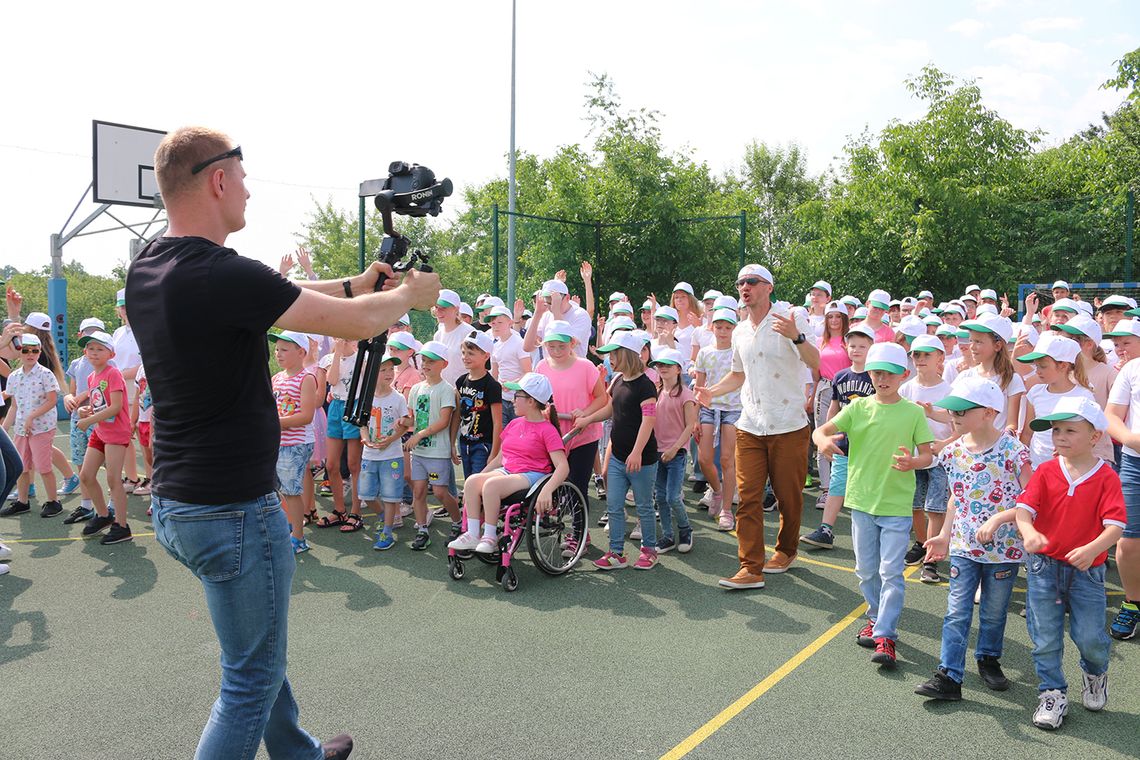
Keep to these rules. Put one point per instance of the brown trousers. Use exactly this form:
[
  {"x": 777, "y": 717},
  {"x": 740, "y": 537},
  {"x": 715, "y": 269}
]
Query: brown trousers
[{"x": 783, "y": 458}]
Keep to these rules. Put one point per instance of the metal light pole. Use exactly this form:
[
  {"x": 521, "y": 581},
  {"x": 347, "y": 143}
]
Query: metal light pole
[{"x": 512, "y": 190}]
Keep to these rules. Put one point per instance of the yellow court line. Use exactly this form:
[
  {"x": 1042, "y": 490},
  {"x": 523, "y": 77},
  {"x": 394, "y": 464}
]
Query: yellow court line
[{"x": 65, "y": 538}]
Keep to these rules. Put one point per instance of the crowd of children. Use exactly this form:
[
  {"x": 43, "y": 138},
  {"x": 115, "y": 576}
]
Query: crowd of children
[{"x": 953, "y": 435}]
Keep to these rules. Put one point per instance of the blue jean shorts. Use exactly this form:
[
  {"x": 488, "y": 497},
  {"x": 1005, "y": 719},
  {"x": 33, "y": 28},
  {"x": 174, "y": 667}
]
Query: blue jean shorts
[
  {"x": 718, "y": 417},
  {"x": 337, "y": 427},
  {"x": 1130, "y": 483},
  {"x": 79, "y": 439},
  {"x": 531, "y": 477},
  {"x": 291, "y": 464},
  {"x": 931, "y": 490},
  {"x": 438, "y": 472},
  {"x": 838, "y": 484},
  {"x": 383, "y": 478}
]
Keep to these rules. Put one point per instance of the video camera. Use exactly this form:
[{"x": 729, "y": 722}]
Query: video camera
[{"x": 409, "y": 190}]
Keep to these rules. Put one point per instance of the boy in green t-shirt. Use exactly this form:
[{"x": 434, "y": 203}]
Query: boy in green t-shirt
[
  {"x": 432, "y": 402},
  {"x": 888, "y": 439}
]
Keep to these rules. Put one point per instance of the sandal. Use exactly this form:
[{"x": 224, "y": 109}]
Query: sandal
[
  {"x": 352, "y": 523},
  {"x": 331, "y": 521},
  {"x": 309, "y": 517}
]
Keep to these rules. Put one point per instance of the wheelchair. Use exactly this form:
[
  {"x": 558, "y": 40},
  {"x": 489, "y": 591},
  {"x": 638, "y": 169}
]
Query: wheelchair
[{"x": 555, "y": 541}]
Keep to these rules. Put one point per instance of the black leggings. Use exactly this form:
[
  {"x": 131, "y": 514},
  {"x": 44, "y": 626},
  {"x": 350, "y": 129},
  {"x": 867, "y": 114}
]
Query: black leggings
[{"x": 581, "y": 461}]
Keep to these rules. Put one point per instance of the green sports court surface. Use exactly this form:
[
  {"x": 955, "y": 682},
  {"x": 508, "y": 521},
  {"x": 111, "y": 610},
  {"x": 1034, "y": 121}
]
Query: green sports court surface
[{"x": 108, "y": 652}]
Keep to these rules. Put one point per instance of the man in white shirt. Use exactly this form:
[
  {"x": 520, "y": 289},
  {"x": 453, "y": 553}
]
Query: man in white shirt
[
  {"x": 769, "y": 352},
  {"x": 551, "y": 303}
]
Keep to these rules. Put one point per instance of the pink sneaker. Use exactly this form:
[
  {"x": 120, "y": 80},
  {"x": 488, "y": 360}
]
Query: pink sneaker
[
  {"x": 726, "y": 521},
  {"x": 611, "y": 561},
  {"x": 715, "y": 503},
  {"x": 647, "y": 560}
]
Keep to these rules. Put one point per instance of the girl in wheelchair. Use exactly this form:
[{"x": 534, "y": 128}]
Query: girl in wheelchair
[{"x": 532, "y": 448}]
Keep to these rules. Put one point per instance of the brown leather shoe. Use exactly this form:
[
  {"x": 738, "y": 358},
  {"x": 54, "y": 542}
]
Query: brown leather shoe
[
  {"x": 743, "y": 579},
  {"x": 779, "y": 563}
]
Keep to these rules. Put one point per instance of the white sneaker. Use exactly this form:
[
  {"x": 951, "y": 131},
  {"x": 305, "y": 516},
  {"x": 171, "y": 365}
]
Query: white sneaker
[
  {"x": 406, "y": 509},
  {"x": 1094, "y": 691},
  {"x": 398, "y": 521},
  {"x": 487, "y": 545},
  {"x": 3, "y": 569},
  {"x": 1052, "y": 708},
  {"x": 707, "y": 499},
  {"x": 5, "y": 552},
  {"x": 635, "y": 534},
  {"x": 726, "y": 521},
  {"x": 465, "y": 543}
]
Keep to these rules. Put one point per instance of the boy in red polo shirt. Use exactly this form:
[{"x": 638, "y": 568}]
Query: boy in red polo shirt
[{"x": 1069, "y": 514}]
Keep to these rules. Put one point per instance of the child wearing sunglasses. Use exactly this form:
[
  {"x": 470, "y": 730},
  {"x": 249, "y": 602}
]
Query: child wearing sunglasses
[{"x": 34, "y": 391}]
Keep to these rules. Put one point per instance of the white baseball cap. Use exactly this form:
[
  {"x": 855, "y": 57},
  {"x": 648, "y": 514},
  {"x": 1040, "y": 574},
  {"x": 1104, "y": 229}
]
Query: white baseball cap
[
  {"x": 405, "y": 341},
  {"x": 925, "y": 294},
  {"x": 667, "y": 312},
  {"x": 895, "y": 302},
  {"x": 726, "y": 302},
  {"x": 558, "y": 331},
  {"x": 621, "y": 323},
  {"x": 30, "y": 339},
  {"x": 623, "y": 307},
  {"x": 724, "y": 315},
  {"x": 912, "y": 326},
  {"x": 642, "y": 335},
  {"x": 1060, "y": 284},
  {"x": 1071, "y": 407},
  {"x": 851, "y": 301},
  {"x": 481, "y": 341},
  {"x": 822, "y": 285},
  {"x": 291, "y": 336},
  {"x": 465, "y": 308},
  {"x": 1085, "y": 306},
  {"x": 554, "y": 286},
  {"x": 932, "y": 320},
  {"x": 623, "y": 340},
  {"x": 387, "y": 357},
  {"x": 955, "y": 307},
  {"x": 950, "y": 330},
  {"x": 887, "y": 357},
  {"x": 860, "y": 313},
  {"x": 969, "y": 297},
  {"x": 972, "y": 288},
  {"x": 500, "y": 311},
  {"x": 834, "y": 308},
  {"x": 991, "y": 323},
  {"x": 404, "y": 320},
  {"x": 91, "y": 322},
  {"x": 1055, "y": 347},
  {"x": 489, "y": 302},
  {"x": 1082, "y": 324},
  {"x": 711, "y": 295},
  {"x": 925, "y": 344},
  {"x": 647, "y": 305},
  {"x": 971, "y": 392},
  {"x": 880, "y": 299},
  {"x": 988, "y": 293},
  {"x": 667, "y": 356},
  {"x": 755, "y": 270},
  {"x": 987, "y": 308},
  {"x": 1118, "y": 302},
  {"x": 447, "y": 298},
  {"x": 1065, "y": 304},
  {"x": 38, "y": 320},
  {"x": 617, "y": 295},
  {"x": 861, "y": 329},
  {"x": 121, "y": 297},
  {"x": 534, "y": 385},
  {"x": 434, "y": 349},
  {"x": 686, "y": 287},
  {"x": 1124, "y": 328}
]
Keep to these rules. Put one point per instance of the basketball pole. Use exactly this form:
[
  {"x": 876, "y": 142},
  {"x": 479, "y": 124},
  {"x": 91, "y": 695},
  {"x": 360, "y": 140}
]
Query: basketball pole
[{"x": 512, "y": 189}]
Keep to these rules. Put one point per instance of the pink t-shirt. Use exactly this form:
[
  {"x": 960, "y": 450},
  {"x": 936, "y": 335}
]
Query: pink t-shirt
[
  {"x": 885, "y": 334},
  {"x": 573, "y": 389},
  {"x": 671, "y": 417},
  {"x": 101, "y": 385},
  {"x": 527, "y": 446},
  {"x": 832, "y": 357}
]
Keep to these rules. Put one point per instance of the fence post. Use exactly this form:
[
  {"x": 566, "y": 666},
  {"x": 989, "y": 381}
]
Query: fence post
[
  {"x": 743, "y": 236},
  {"x": 1129, "y": 223},
  {"x": 362, "y": 233},
  {"x": 597, "y": 259},
  {"x": 495, "y": 247}
]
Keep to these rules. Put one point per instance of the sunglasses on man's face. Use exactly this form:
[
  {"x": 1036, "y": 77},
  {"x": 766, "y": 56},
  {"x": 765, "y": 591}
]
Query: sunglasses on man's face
[
  {"x": 233, "y": 153},
  {"x": 748, "y": 281},
  {"x": 29, "y": 350}
]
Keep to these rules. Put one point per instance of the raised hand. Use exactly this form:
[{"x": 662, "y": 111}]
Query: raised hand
[
  {"x": 586, "y": 270},
  {"x": 306, "y": 262},
  {"x": 560, "y": 275},
  {"x": 286, "y": 265}
]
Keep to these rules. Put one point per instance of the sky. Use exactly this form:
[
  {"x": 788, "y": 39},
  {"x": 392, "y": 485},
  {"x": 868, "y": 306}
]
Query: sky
[{"x": 322, "y": 96}]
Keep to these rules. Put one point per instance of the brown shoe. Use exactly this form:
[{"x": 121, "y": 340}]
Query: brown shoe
[
  {"x": 743, "y": 579},
  {"x": 779, "y": 563}
]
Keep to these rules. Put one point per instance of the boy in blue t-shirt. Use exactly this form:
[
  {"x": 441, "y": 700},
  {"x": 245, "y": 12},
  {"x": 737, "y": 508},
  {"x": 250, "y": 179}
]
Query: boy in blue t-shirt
[{"x": 850, "y": 383}]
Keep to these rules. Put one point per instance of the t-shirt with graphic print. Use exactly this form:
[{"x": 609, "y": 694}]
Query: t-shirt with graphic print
[
  {"x": 339, "y": 389},
  {"x": 101, "y": 385},
  {"x": 146, "y": 403},
  {"x": 428, "y": 402},
  {"x": 848, "y": 386},
  {"x": 30, "y": 391},
  {"x": 716, "y": 364},
  {"x": 982, "y": 484},
  {"x": 475, "y": 400},
  {"x": 386, "y": 410}
]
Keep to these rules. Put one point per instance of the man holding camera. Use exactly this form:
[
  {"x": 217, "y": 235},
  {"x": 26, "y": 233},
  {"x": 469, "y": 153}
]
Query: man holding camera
[{"x": 200, "y": 313}]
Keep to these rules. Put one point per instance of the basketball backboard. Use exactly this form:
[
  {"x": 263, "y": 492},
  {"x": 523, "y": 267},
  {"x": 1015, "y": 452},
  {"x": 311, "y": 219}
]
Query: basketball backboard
[{"x": 124, "y": 164}]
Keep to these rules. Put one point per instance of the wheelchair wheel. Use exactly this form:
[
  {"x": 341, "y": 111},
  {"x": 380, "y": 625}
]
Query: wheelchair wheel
[
  {"x": 510, "y": 580},
  {"x": 560, "y": 532},
  {"x": 455, "y": 568}
]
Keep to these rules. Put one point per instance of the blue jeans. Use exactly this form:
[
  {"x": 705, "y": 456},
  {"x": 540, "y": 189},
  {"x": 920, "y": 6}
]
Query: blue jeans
[
  {"x": 618, "y": 483},
  {"x": 880, "y": 544},
  {"x": 13, "y": 465},
  {"x": 474, "y": 457},
  {"x": 1130, "y": 484},
  {"x": 242, "y": 555},
  {"x": 1054, "y": 588},
  {"x": 508, "y": 411},
  {"x": 667, "y": 494},
  {"x": 997, "y": 587}
]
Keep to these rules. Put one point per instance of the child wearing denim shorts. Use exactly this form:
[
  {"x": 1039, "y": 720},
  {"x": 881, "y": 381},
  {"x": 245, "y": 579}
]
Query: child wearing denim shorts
[
  {"x": 340, "y": 435},
  {"x": 718, "y": 420},
  {"x": 432, "y": 402},
  {"x": 987, "y": 469},
  {"x": 295, "y": 390},
  {"x": 382, "y": 465}
]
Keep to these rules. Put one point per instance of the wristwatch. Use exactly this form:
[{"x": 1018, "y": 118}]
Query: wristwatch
[{"x": 799, "y": 340}]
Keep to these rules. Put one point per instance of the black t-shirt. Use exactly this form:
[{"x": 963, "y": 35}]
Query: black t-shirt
[
  {"x": 627, "y": 401},
  {"x": 475, "y": 399},
  {"x": 200, "y": 313},
  {"x": 848, "y": 386}
]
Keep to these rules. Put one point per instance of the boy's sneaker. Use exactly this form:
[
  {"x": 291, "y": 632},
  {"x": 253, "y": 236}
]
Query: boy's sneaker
[
  {"x": 487, "y": 545},
  {"x": 884, "y": 652},
  {"x": 940, "y": 686},
  {"x": 866, "y": 635},
  {"x": 397, "y": 521},
  {"x": 143, "y": 488},
  {"x": 421, "y": 541},
  {"x": 1052, "y": 707},
  {"x": 325, "y": 489},
  {"x": 635, "y": 534},
  {"x": 79, "y": 514},
  {"x": 685, "y": 540},
  {"x": 603, "y": 519},
  {"x": 455, "y": 532},
  {"x": 665, "y": 544},
  {"x": 820, "y": 537},
  {"x": 50, "y": 509},
  {"x": 5, "y": 552},
  {"x": 1094, "y": 691},
  {"x": 1124, "y": 624},
  {"x": 992, "y": 676},
  {"x": 117, "y": 534},
  {"x": 929, "y": 573},
  {"x": 16, "y": 508},
  {"x": 647, "y": 560},
  {"x": 300, "y": 545},
  {"x": 821, "y": 500},
  {"x": 599, "y": 486},
  {"x": 700, "y": 486},
  {"x": 611, "y": 561},
  {"x": 97, "y": 524},
  {"x": 406, "y": 509},
  {"x": 914, "y": 555},
  {"x": 464, "y": 543},
  {"x": 69, "y": 486},
  {"x": 441, "y": 512},
  {"x": 726, "y": 521},
  {"x": 384, "y": 542}
]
